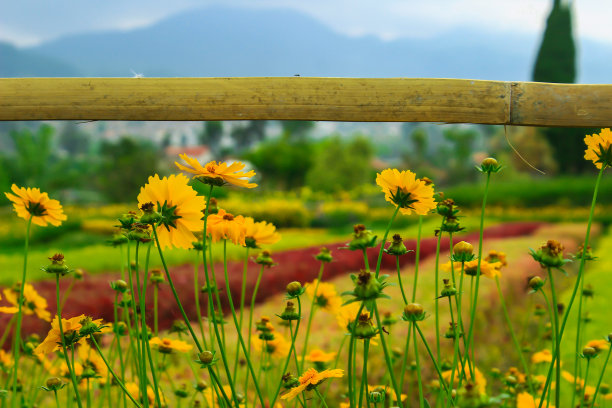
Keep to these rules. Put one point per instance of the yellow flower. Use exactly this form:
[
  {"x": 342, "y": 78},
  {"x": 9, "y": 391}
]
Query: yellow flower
[
  {"x": 598, "y": 345},
  {"x": 33, "y": 304},
  {"x": 91, "y": 359},
  {"x": 223, "y": 173},
  {"x": 224, "y": 225},
  {"x": 53, "y": 341},
  {"x": 479, "y": 380},
  {"x": 6, "y": 360},
  {"x": 490, "y": 270},
  {"x": 31, "y": 203},
  {"x": 544, "y": 356},
  {"x": 526, "y": 400},
  {"x": 319, "y": 356},
  {"x": 347, "y": 314},
  {"x": 259, "y": 233},
  {"x": 598, "y": 148},
  {"x": 180, "y": 207},
  {"x": 388, "y": 391},
  {"x": 168, "y": 346},
  {"x": 326, "y": 298},
  {"x": 278, "y": 347},
  {"x": 497, "y": 257},
  {"x": 310, "y": 379},
  {"x": 406, "y": 191}
]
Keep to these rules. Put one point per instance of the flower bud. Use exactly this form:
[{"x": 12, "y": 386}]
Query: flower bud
[
  {"x": 550, "y": 255},
  {"x": 149, "y": 216},
  {"x": 181, "y": 392},
  {"x": 609, "y": 338},
  {"x": 604, "y": 389},
  {"x": 119, "y": 285},
  {"x": 289, "y": 381},
  {"x": 57, "y": 265},
  {"x": 179, "y": 327},
  {"x": 539, "y": 310},
  {"x": 388, "y": 319},
  {"x": 376, "y": 397},
  {"x": 536, "y": 283},
  {"x": 588, "y": 291},
  {"x": 451, "y": 225},
  {"x": 364, "y": 328},
  {"x": 213, "y": 206},
  {"x": 413, "y": 312},
  {"x": 120, "y": 328},
  {"x": 290, "y": 313},
  {"x": 324, "y": 255},
  {"x": 588, "y": 254},
  {"x": 489, "y": 165},
  {"x": 265, "y": 259},
  {"x": 198, "y": 245},
  {"x": 127, "y": 220},
  {"x": 206, "y": 357},
  {"x": 156, "y": 276},
  {"x": 397, "y": 247},
  {"x": 201, "y": 385},
  {"x": 295, "y": 289},
  {"x": 367, "y": 286},
  {"x": 447, "y": 208},
  {"x": 589, "y": 352},
  {"x": 448, "y": 290},
  {"x": 362, "y": 238},
  {"x": 463, "y": 252},
  {"x": 54, "y": 383}
]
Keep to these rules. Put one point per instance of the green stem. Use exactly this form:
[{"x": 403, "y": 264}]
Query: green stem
[
  {"x": 448, "y": 394},
  {"x": 388, "y": 358},
  {"x": 253, "y": 298},
  {"x": 436, "y": 289},
  {"x": 470, "y": 339},
  {"x": 601, "y": 376},
  {"x": 57, "y": 404},
  {"x": 20, "y": 300},
  {"x": 364, "y": 375},
  {"x": 586, "y": 379},
  {"x": 313, "y": 306},
  {"x": 155, "y": 310},
  {"x": 293, "y": 337},
  {"x": 139, "y": 346},
  {"x": 514, "y": 339},
  {"x": 351, "y": 363},
  {"x": 196, "y": 295},
  {"x": 321, "y": 398},
  {"x": 7, "y": 330},
  {"x": 418, "y": 370},
  {"x": 417, "y": 257},
  {"x": 555, "y": 307},
  {"x": 119, "y": 382},
  {"x": 61, "y": 329},
  {"x": 118, "y": 339},
  {"x": 242, "y": 296},
  {"x": 577, "y": 364},
  {"x": 240, "y": 338},
  {"x": 384, "y": 240},
  {"x": 399, "y": 279},
  {"x": 576, "y": 286}
]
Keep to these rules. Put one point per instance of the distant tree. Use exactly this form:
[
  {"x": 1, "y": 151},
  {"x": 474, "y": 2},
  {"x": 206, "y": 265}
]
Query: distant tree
[
  {"x": 211, "y": 135},
  {"x": 245, "y": 136},
  {"x": 73, "y": 139},
  {"x": 125, "y": 167},
  {"x": 166, "y": 140},
  {"x": 458, "y": 161},
  {"x": 297, "y": 128},
  {"x": 340, "y": 165},
  {"x": 556, "y": 62},
  {"x": 283, "y": 162}
]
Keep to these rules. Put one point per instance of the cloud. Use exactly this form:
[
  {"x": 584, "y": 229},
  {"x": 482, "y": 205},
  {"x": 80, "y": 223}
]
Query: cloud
[{"x": 29, "y": 21}]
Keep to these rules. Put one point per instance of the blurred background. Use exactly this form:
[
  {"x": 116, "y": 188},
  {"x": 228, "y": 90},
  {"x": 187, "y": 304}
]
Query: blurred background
[{"x": 311, "y": 174}]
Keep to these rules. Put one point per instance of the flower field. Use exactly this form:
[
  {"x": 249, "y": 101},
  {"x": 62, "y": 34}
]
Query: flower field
[{"x": 210, "y": 305}]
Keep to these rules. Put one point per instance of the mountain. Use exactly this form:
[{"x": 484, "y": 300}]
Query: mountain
[
  {"x": 15, "y": 62},
  {"x": 225, "y": 41}
]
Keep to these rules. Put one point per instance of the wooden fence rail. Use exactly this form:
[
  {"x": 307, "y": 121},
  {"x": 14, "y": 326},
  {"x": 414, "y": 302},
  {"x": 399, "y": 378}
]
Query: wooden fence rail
[{"x": 302, "y": 98}]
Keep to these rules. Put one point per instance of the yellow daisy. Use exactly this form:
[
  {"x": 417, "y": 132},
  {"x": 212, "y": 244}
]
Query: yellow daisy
[
  {"x": 403, "y": 189},
  {"x": 526, "y": 400},
  {"x": 53, "y": 341},
  {"x": 224, "y": 225},
  {"x": 598, "y": 148},
  {"x": 6, "y": 360},
  {"x": 319, "y": 356},
  {"x": 544, "y": 356},
  {"x": 598, "y": 345},
  {"x": 218, "y": 173},
  {"x": 326, "y": 297},
  {"x": 310, "y": 379},
  {"x": 168, "y": 346},
  {"x": 33, "y": 302},
  {"x": 490, "y": 270},
  {"x": 180, "y": 207},
  {"x": 479, "y": 380},
  {"x": 259, "y": 233},
  {"x": 31, "y": 203}
]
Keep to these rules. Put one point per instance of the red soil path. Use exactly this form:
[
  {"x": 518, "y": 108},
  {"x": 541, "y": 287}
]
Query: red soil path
[{"x": 94, "y": 297}]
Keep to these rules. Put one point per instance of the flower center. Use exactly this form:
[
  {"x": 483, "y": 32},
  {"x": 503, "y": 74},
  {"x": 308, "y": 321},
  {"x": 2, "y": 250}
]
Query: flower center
[
  {"x": 168, "y": 214},
  {"x": 228, "y": 217},
  {"x": 36, "y": 209},
  {"x": 211, "y": 168}
]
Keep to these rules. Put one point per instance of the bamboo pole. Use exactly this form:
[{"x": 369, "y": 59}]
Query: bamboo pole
[{"x": 303, "y": 98}]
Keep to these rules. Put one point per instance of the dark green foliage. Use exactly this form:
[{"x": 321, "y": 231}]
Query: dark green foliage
[
  {"x": 211, "y": 135},
  {"x": 556, "y": 62},
  {"x": 245, "y": 136},
  {"x": 283, "y": 162},
  {"x": 340, "y": 165},
  {"x": 125, "y": 167}
]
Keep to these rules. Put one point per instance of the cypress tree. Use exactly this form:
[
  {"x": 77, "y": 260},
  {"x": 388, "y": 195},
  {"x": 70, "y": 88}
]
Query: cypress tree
[{"x": 556, "y": 62}]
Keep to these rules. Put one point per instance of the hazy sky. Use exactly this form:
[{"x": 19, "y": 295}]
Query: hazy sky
[{"x": 27, "y": 22}]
